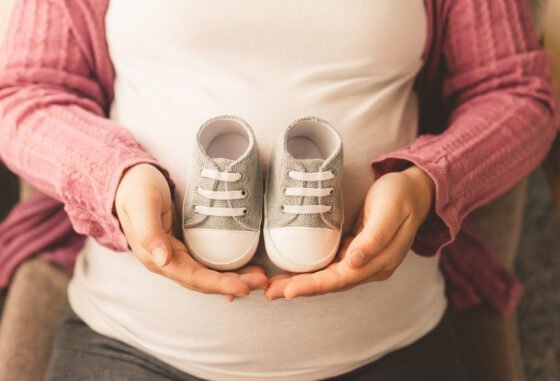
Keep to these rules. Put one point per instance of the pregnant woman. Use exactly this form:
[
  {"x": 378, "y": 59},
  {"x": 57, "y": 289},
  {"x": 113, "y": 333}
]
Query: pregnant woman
[{"x": 100, "y": 103}]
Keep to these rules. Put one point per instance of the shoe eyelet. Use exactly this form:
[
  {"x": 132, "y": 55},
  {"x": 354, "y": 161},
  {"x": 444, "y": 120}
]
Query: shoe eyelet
[
  {"x": 282, "y": 208},
  {"x": 331, "y": 192},
  {"x": 244, "y": 211},
  {"x": 244, "y": 193}
]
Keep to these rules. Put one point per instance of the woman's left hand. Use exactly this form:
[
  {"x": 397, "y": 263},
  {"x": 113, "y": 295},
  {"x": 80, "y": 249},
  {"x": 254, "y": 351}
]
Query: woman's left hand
[{"x": 395, "y": 207}]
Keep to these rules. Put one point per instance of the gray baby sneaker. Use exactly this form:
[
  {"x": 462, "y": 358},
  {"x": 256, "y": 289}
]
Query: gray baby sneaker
[
  {"x": 303, "y": 201},
  {"x": 222, "y": 209}
]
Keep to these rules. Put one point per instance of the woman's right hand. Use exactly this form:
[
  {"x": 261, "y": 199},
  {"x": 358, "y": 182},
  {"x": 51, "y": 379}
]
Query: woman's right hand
[{"x": 146, "y": 212}]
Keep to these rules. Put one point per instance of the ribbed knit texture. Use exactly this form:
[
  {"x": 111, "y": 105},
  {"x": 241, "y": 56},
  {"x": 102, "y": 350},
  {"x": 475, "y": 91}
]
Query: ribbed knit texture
[
  {"x": 498, "y": 101},
  {"x": 55, "y": 88},
  {"x": 487, "y": 115}
]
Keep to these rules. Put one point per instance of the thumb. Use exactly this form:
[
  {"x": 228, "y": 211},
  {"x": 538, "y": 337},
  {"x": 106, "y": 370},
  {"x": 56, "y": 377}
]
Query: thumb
[
  {"x": 145, "y": 216},
  {"x": 380, "y": 226}
]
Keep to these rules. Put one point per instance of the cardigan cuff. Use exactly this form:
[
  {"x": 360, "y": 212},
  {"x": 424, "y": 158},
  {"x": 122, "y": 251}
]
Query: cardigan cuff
[{"x": 97, "y": 218}]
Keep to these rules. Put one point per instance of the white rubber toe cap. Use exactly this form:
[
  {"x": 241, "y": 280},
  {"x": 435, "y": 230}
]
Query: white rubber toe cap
[
  {"x": 222, "y": 249},
  {"x": 301, "y": 249}
]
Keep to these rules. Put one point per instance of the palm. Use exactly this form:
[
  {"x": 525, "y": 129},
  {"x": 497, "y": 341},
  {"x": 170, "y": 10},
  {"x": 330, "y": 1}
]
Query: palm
[
  {"x": 147, "y": 216},
  {"x": 189, "y": 273},
  {"x": 394, "y": 208},
  {"x": 192, "y": 274},
  {"x": 329, "y": 279}
]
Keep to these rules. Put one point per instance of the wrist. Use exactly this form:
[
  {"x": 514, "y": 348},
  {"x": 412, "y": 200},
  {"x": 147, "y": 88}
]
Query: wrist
[
  {"x": 139, "y": 176},
  {"x": 425, "y": 187}
]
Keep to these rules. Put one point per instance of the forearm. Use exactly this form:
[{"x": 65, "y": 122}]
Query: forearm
[
  {"x": 55, "y": 141},
  {"x": 501, "y": 120},
  {"x": 65, "y": 149},
  {"x": 488, "y": 149},
  {"x": 53, "y": 128}
]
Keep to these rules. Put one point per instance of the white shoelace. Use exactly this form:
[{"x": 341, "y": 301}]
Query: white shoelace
[
  {"x": 220, "y": 195},
  {"x": 309, "y": 192}
]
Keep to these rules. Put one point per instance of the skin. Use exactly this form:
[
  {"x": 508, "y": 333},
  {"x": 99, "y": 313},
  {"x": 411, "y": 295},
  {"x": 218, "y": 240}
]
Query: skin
[
  {"x": 394, "y": 208},
  {"x": 146, "y": 212}
]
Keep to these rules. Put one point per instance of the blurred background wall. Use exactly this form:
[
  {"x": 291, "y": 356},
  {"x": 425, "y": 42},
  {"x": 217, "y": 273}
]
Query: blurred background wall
[
  {"x": 538, "y": 263},
  {"x": 550, "y": 14}
]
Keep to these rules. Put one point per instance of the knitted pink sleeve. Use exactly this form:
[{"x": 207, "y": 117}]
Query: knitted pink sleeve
[
  {"x": 53, "y": 129},
  {"x": 502, "y": 121}
]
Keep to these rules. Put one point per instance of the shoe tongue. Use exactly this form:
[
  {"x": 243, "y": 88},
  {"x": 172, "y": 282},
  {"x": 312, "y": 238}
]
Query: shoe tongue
[
  {"x": 311, "y": 165},
  {"x": 222, "y": 164}
]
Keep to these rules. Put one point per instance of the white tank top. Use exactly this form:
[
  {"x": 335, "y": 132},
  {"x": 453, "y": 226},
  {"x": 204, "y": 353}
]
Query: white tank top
[{"x": 181, "y": 62}]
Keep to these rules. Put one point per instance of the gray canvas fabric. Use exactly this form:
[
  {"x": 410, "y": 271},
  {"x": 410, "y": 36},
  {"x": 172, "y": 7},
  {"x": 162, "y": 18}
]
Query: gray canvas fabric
[
  {"x": 281, "y": 163},
  {"x": 251, "y": 182}
]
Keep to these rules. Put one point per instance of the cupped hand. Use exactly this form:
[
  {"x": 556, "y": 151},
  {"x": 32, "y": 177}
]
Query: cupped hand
[
  {"x": 395, "y": 207},
  {"x": 146, "y": 212}
]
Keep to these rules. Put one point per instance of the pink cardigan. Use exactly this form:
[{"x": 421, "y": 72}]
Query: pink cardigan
[{"x": 487, "y": 120}]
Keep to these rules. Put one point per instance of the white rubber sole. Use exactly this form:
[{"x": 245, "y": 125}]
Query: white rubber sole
[
  {"x": 287, "y": 264},
  {"x": 234, "y": 264}
]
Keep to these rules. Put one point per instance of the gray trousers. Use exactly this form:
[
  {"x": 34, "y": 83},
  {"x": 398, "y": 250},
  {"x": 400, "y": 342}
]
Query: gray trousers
[{"x": 84, "y": 355}]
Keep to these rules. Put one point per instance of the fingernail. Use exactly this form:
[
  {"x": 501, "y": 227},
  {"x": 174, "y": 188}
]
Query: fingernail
[
  {"x": 289, "y": 295},
  {"x": 159, "y": 256},
  {"x": 357, "y": 259}
]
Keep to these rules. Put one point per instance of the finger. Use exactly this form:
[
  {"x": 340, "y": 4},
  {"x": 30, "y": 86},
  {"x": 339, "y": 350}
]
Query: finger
[
  {"x": 254, "y": 276},
  {"x": 251, "y": 269},
  {"x": 255, "y": 281},
  {"x": 209, "y": 281},
  {"x": 324, "y": 281},
  {"x": 186, "y": 271},
  {"x": 230, "y": 298},
  {"x": 302, "y": 283},
  {"x": 343, "y": 250},
  {"x": 277, "y": 286},
  {"x": 384, "y": 265},
  {"x": 142, "y": 255},
  {"x": 144, "y": 214},
  {"x": 139, "y": 251},
  {"x": 280, "y": 276},
  {"x": 339, "y": 276},
  {"x": 381, "y": 224},
  {"x": 359, "y": 223},
  {"x": 189, "y": 273}
]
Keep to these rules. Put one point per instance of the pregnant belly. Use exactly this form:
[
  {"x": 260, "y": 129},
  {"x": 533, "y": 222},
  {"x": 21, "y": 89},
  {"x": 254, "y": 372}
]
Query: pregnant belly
[{"x": 116, "y": 296}]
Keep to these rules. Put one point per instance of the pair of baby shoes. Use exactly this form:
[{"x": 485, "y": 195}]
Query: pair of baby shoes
[{"x": 303, "y": 213}]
